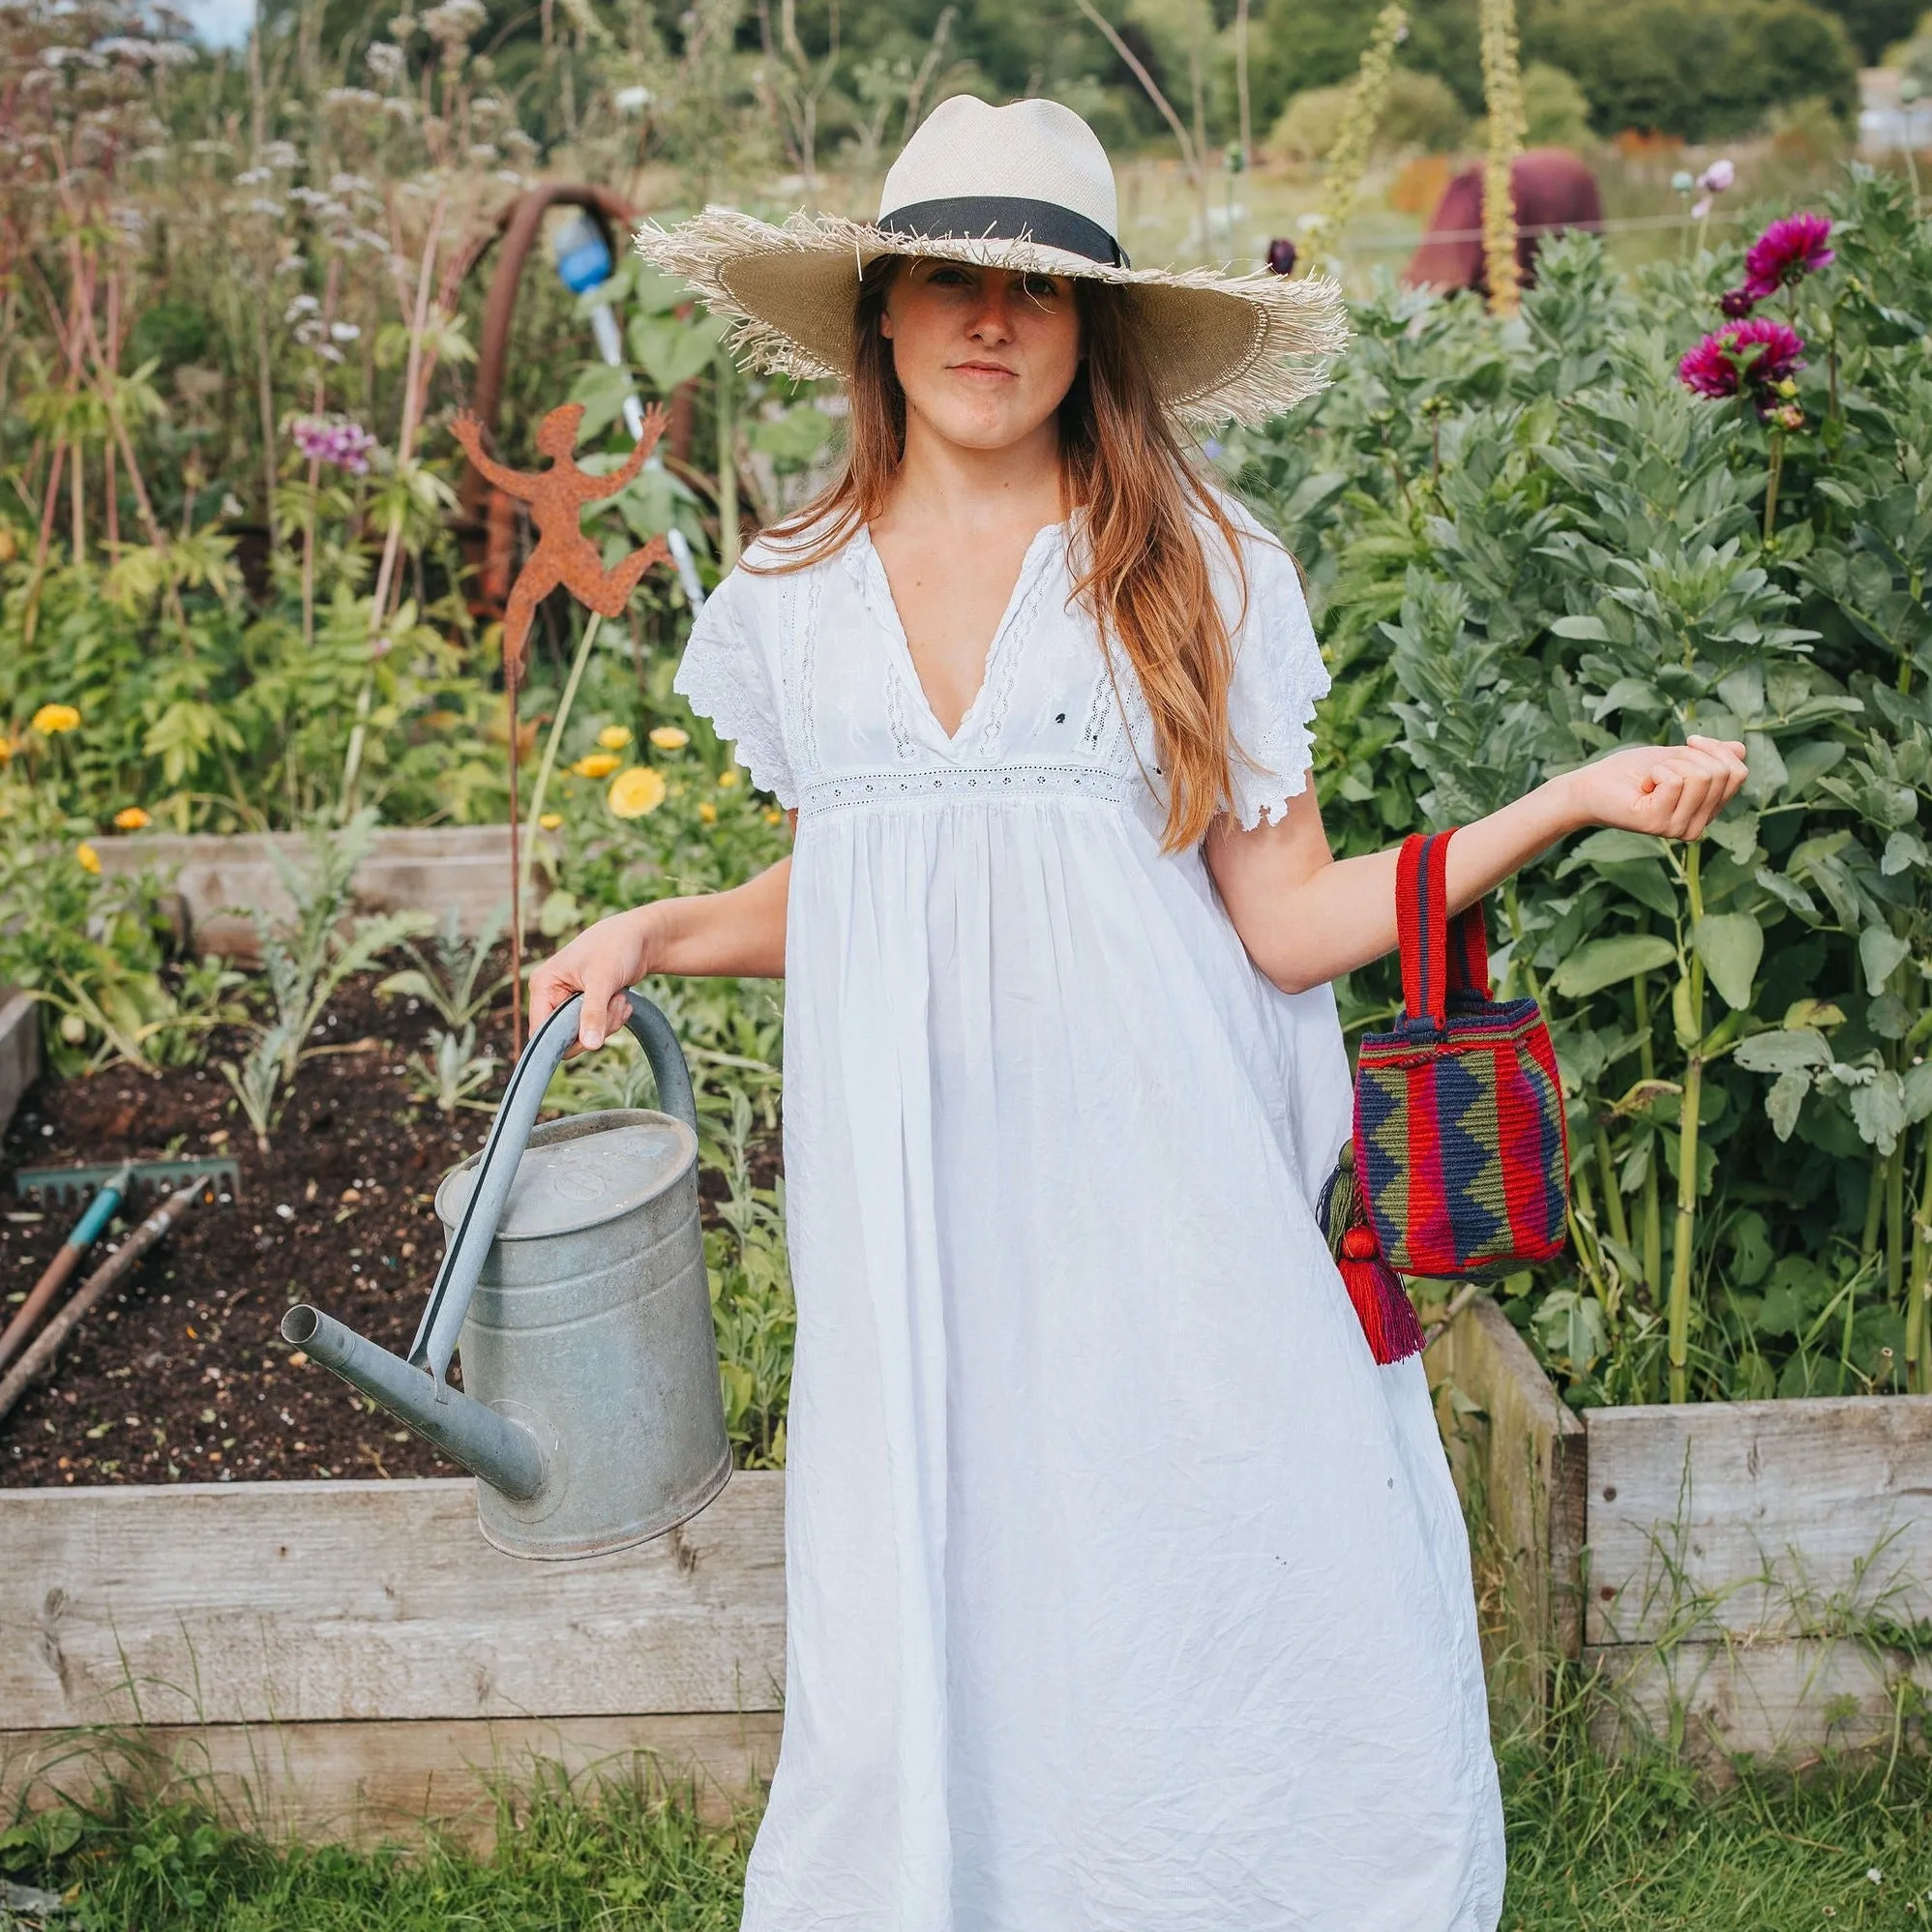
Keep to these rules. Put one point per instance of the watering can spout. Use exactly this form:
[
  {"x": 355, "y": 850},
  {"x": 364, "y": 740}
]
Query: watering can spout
[{"x": 490, "y": 1446}]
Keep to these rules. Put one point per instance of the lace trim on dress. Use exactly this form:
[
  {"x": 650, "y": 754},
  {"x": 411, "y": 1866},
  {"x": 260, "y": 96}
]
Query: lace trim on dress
[
  {"x": 1002, "y": 666},
  {"x": 999, "y": 784},
  {"x": 723, "y": 678},
  {"x": 807, "y": 593}
]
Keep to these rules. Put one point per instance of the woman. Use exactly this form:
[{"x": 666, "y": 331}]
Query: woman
[{"x": 1124, "y": 1589}]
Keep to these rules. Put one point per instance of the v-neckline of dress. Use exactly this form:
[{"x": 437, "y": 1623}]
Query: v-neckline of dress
[{"x": 885, "y": 608}]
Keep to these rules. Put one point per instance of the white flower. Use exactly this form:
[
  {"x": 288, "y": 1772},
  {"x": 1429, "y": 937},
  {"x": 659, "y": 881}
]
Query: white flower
[
  {"x": 630, "y": 100},
  {"x": 345, "y": 332},
  {"x": 1717, "y": 177}
]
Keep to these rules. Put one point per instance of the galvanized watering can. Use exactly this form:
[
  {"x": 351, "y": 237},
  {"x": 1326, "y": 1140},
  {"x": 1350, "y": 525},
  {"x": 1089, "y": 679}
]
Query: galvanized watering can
[{"x": 575, "y": 1278}]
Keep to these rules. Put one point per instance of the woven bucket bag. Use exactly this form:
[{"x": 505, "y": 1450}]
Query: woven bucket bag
[{"x": 1459, "y": 1164}]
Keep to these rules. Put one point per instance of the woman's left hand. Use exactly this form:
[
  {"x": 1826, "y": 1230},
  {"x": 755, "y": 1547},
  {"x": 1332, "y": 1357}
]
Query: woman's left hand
[{"x": 1673, "y": 791}]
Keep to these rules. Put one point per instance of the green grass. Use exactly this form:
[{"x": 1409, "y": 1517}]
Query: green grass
[{"x": 1593, "y": 1848}]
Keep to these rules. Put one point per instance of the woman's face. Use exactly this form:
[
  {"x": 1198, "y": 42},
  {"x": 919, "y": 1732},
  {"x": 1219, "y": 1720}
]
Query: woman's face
[{"x": 985, "y": 355}]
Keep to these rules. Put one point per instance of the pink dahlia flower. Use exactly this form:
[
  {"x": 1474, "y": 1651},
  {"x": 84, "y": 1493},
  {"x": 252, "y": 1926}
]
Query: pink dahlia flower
[
  {"x": 1737, "y": 303},
  {"x": 1748, "y": 358},
  {"x": 1787, "y": 252},
  {"x": 334, "y": 440}
]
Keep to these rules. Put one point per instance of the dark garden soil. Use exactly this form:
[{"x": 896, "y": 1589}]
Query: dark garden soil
[{"x": 179, "y": 1374}]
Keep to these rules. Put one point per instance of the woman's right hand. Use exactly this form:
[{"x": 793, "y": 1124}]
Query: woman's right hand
[{"x": 600, "y": 962}]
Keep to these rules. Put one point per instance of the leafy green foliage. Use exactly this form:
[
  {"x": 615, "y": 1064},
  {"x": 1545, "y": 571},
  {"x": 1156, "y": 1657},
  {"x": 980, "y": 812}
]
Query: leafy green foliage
[
  {"x": 1698, "y": 69},
  {"x": 1643, "y": 1846},
  {"x": 306, "y": 958},
  {"x": 1528, "y": 546}
]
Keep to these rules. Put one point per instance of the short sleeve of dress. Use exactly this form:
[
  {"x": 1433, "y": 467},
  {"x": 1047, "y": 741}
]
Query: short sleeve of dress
[
  {"x": 1279, "y": 679},
  {"x": 730, "y": 673}
]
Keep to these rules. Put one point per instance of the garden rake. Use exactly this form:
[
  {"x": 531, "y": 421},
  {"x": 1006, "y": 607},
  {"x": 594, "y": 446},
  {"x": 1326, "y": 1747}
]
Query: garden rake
[{"x": 110, "y": 1184}]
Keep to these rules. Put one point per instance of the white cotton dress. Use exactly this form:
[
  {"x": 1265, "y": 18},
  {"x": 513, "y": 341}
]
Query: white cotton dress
[{"x": 1124, "y": 1591}]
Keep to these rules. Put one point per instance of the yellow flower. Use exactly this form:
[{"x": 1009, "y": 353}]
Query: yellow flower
[
  {"x": 53, "y": 718},
  {"x": 599, "y": 765},
  {"x": 6, "y": 750},
  {"x": 773, "y": 814},
  {"x": 669, "y": 739},
  {"x": 709, "y": 813},
  {"x": 131, "y": 819},
  {"x": 727, "y": 778},
  {"x": 635, "y": 791},
  {"x": 551, "y": 820},
  {"x": 90, "y": 859},
  {"x": 614, "y": 737}
]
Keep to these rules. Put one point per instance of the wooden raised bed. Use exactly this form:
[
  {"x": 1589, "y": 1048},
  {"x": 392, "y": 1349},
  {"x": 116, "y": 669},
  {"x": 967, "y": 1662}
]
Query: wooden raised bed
[
  {"x": 19, "y": 1048},
  {"x": 347, "y": 1658},
  {"x": 1738, "y": 1578},
  {"x": 433, "y": 869}
]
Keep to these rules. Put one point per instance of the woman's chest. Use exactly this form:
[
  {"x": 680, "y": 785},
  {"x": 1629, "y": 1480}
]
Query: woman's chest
[{"x": 1046, "y": 695}]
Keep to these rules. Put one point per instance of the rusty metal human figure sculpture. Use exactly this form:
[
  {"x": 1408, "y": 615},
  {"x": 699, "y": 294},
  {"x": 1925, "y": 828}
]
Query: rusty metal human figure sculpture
[{"x": 563, "y": 556}]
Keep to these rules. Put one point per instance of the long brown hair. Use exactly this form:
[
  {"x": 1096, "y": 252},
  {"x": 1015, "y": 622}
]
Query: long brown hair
[{"x": 1140, "y": 572}]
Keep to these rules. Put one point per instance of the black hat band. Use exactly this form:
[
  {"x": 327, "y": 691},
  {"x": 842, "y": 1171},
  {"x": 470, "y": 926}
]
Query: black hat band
[{"x": 1006, "y": 218}]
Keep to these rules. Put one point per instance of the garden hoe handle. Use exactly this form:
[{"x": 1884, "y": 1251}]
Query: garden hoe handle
[
  {"x": 497, "y": 1171},
  {"x": 72, "y": 1252}
]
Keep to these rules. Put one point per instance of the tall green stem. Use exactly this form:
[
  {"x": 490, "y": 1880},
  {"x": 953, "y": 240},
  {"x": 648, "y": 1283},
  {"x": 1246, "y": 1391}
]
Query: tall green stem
[
  {"x": 1771, "y": 484},
  {"x": 550, "y": 759},
  {"x": 1894, "y": 1221},
  {"x": 1652, "y": 1204},
  {"x": 1920, "y": 1287},
  {"x": 1687, "y": 1125},
  {"x": 1613, "y": 1194}
]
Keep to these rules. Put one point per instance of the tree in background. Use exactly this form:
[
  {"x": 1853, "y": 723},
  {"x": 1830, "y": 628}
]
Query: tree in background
[
  {"x": 1698, "y": 69},
  {"x": 1875, "y": 25},
  {"x": 1304, "y": 43}
]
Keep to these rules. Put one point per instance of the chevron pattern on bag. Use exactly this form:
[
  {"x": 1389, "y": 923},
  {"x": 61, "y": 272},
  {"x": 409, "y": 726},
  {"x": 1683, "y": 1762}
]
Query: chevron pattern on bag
[{"x": 1460, "y": 1144}]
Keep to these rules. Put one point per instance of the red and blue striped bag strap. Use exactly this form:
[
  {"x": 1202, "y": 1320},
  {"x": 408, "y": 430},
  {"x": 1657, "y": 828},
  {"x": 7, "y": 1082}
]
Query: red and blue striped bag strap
[{"x": 1439, "y": 955}]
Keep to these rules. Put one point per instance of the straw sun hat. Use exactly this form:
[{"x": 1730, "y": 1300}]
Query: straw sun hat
[{"x": 1024, "y": 187}]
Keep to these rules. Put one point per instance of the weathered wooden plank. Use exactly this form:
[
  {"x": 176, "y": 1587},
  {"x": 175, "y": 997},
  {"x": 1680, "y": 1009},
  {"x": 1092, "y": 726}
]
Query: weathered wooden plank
[
  {"x": 20, "y": 1049},
  {"x": 1518, "y": 1455},
  {"x": 1782, "y": 1702},
  {"x": 1763, "y": 1518},
  {"x": 241, "y": 1603},
  {"x": 435, "y": 868},
  {"x": 365, "y": 1781}
]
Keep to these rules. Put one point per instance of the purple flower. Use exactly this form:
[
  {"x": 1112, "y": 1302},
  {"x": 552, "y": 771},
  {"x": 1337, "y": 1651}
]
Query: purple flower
[
  {"x": 1786, "y": 252},
  {"x": 334, "y": 440},
  {"x": 1281, "y": 257},
  {"x": 1737, "y": 303},
  {"x": 1717, "y": 177},
  {"x": 1749, "y": 358}
]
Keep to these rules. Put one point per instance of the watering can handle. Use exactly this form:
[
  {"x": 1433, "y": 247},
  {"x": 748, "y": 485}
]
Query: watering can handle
[{"x": 509, "y": 1135}]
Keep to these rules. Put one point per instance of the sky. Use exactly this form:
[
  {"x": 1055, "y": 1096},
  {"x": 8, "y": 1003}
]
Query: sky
[{"x": 219, "y": 23}]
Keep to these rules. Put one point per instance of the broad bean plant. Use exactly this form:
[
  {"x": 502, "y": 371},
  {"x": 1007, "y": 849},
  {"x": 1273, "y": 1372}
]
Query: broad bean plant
[{"x": 1632, "y": 514}]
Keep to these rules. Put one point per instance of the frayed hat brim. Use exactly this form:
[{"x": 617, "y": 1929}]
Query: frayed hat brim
[{"x": 1220, "y": 345}]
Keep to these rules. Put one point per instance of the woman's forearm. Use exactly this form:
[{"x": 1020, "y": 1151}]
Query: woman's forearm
[
  {"x": 736, "y": 934},
  {"x": 1342, "y": 914}
]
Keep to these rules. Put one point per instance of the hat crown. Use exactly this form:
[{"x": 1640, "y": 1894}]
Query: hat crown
[{"x": 1029, "y": 150}]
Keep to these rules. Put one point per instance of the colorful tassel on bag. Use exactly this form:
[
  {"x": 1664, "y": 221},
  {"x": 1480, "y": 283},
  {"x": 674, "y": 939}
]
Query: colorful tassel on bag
[{"x": 1382, "y": 1303}]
